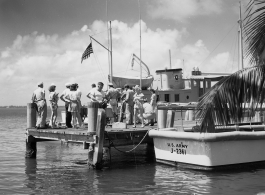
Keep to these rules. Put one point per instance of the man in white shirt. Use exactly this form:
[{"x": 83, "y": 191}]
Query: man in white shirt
[
  {"x": 96, "y": 94},
  {"x": 68, "y": 117},
  {"x": 38, "y": 97}
]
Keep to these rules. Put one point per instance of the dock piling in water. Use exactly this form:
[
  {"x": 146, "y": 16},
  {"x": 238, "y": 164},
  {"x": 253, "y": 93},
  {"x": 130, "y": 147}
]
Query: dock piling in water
[
  {"x": 92, "y": 114},
  {"x": 31, "y": 115}
]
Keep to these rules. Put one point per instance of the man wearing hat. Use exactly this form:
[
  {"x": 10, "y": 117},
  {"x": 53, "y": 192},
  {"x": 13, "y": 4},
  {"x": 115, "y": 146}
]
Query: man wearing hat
[
  {"x": 129, "y": 104},
  {"x": 68, "y": 117},
  {"x": 112, "y": 95},
  {"x": 38, "y": 97}
]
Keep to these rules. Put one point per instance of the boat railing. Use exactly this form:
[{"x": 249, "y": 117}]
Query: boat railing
[{"x": 182, "y": 117}]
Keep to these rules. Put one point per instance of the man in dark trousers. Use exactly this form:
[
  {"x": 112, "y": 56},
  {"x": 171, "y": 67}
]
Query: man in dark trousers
[{"x": 67, "y": 104}]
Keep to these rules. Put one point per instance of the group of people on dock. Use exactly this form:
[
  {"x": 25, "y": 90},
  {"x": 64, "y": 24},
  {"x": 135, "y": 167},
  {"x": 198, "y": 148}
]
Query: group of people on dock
[{"x": 133, "y": 104}]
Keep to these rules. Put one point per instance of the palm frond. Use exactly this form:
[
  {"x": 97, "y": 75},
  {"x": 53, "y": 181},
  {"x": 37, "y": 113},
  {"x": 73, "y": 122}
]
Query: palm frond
[
  {"x": 254, "y": 31},
  {"x": 227, "y": 100}
]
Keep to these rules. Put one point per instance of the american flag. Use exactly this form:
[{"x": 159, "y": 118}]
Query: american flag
[{"x": 87, "y": 52}]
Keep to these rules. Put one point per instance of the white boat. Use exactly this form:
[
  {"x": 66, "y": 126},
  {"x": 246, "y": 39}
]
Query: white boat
[
  {"x": 183, "y": 145},
  {"x": 120, "y": 81}
]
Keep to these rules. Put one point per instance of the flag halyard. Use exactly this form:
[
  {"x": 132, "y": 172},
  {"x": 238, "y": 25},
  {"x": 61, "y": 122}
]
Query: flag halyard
[{"x": 87, "y": 52}]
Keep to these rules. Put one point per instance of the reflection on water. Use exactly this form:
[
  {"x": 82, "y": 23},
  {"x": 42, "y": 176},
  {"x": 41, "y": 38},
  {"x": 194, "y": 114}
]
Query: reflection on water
[{"x": 58, "y": 170}]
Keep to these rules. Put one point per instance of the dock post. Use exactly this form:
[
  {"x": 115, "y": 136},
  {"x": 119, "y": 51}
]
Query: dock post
[
  {"x": 31, "y": 147},
  {"x": 98, "y": 150},
  {"x": 95, "y": 151},
  {"x": 31, "y": 115},
  {"x": 106, "y": 156},
  {"x": 92, "y": 114},
  {"x": 161, "y": 119},
  {"x": 170, "y": 118}
]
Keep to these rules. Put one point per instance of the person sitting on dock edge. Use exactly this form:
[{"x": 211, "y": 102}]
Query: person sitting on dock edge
[
  {"x": 38, "y": 97},
  {"x": 148, "y": 113},
  {"x": 68, "y": 115}
]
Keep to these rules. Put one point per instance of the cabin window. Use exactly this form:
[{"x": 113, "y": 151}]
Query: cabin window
[
  {"x": 167, "y": 99},
  {"x": 194, "y": 83},
  {"x": 176, "y": 97},
  {"x": 188, "y": 97},
  {"x": 176, "y": 77}
]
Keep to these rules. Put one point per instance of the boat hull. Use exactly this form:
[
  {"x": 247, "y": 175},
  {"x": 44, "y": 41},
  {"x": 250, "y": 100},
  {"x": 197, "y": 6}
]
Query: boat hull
[
  {"x": 208, "y": 150},
  {"x": 119, "y": 82}
]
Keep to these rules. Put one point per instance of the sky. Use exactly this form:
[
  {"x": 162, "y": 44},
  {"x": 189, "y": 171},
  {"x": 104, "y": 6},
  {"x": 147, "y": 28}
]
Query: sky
[{"x": 43, "y": 41}]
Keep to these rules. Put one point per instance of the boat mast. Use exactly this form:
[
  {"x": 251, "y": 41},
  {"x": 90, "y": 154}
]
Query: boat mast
[
  {"x": 240, "y": 44},
  {"x": 140, "y": 45},
  {"x": 111, "y": 70},
  {"x": 170, "y": 59}
]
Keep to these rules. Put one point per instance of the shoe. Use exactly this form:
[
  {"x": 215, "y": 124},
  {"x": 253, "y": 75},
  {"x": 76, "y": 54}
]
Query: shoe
[
  {"x": 142, "y": 126},
  {"x": 134, "y": 126},
  {"x": 152, "y": 124}
]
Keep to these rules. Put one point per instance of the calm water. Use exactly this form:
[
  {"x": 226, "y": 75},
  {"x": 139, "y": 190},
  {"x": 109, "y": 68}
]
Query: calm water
[{"x": 59, "y": 169}]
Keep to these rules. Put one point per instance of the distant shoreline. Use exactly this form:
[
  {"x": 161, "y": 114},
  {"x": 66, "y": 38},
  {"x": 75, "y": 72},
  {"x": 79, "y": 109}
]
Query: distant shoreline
[{"x": 20, "y": 106}]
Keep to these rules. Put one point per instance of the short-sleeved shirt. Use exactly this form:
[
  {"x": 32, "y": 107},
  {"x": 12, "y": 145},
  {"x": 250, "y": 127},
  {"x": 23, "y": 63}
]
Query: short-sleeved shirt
[
  {"x": 65, "y": 93},
  {"x": 98, "y": 95},
  {"x": 113, "y": 93},
  {"x": 73, "y": 95},
  {"x": 38, "y": 94},
  {"x": 148, "y": 109}
]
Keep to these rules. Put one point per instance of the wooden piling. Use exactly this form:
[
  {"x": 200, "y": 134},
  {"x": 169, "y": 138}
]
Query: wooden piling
[
  {"x": 95, "y": 150},
  {"x": 170, "y": 118},
  {"x": 98, "y": 150},
  {"x": 92, "y": 114},
  {"x": 31, "y": 115},
  {"x": 31, "y": 147},
  {"x": 161, "y": 119}
]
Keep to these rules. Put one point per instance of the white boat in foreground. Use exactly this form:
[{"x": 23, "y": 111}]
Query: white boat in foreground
[{"x": 183, "y": 145}]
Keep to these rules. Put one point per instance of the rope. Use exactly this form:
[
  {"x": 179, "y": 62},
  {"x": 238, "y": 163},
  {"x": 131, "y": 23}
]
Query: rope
[{"x": 112, "y": 144}]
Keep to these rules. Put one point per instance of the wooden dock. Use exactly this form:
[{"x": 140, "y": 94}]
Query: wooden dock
[{"x": 97, "y": 137}]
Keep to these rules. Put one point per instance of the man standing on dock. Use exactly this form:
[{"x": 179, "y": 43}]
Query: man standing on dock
[
  {"x": 112, "y": 95},
  {"x": 68, "y": 117},
  {"x": 129, "y": 104},
  {"x": 38, "y": 97}
]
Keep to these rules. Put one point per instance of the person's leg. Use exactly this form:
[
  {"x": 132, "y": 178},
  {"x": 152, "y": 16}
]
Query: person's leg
[
  {"x": 68, "y": 116},
  {"x": 55, "y": 116},
  {"x": 79, "y": 119},
  {"x": 74, "y": 119},
  {"x": 52, "y": 116},
  {"x": 141, "y": 116},
  {"x": 134, "y": 116},
  {"x": 131, "y": 110},
  {"x": 128, "y": 114}
]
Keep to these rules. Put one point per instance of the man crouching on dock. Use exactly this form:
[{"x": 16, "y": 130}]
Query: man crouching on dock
[{"x": 38, "y": 97}]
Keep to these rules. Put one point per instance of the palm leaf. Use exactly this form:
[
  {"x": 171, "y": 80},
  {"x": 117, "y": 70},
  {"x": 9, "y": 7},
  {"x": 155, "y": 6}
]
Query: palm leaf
[
  {"x": 254, "y": 31},
  {"x": 226, "y": 101}
]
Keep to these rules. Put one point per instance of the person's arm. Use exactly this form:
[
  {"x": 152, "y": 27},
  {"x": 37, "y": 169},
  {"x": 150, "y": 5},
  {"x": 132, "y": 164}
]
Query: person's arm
[
  {"x": 62, "y": 97},
  {"x": 33, "y": 98},
  {"x": 90, "y": 96}
]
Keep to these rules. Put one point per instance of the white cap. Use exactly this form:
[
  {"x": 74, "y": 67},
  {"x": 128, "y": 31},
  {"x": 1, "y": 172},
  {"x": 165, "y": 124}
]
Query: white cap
[{"x": 68, "y": 84}]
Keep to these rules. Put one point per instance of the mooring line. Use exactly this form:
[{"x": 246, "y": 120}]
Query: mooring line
[{"x": 112, "y": 144}]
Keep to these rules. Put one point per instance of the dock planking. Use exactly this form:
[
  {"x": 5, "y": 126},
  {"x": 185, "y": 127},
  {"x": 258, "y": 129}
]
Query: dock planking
[{"x": 119, "y": 137}]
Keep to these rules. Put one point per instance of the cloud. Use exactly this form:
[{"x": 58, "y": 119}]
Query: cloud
[
  {"x": 57, "y": 59},
  {"x": 181, "y": 10}
]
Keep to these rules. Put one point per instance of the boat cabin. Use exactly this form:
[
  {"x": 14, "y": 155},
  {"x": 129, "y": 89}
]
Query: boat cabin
[{"x": 172, "y": 87}]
